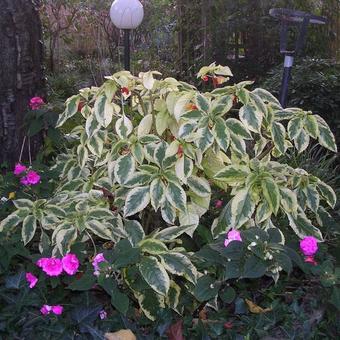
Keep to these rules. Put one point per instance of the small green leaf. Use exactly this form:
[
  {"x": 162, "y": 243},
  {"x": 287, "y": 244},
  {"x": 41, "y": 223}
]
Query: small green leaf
[
  {"x": 152, "y": 246},
  {"x": 251, "y": 118},
  {"x": 176, "y": 196},
  {"x": 124, "y": 168},
  {"x": 206, "y": 288},
  {"x": 136, "y": 200},
  {"x": 154, "y": 274},
  {"x": 271, "y": 193},
  {"x": 278, "y": 134},
  {"x": 29, "y": 227}
]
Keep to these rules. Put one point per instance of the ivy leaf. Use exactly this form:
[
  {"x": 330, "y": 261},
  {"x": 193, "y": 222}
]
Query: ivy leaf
[
  {"x": 326, "y": 137},
  {"x": 271, "y": 193},
  {"x": 240, "y": 209},
  {"x": 303, "y": 227},
  {"x": 157, "y": 192},
  {"x": 29, "y": 227},
  {"x": 124, "y": 168},
  {"x": 221, "y": 134},
  {"x": 176, "y": 196},
  {"x": 154, "y": 274},
  {"x": 136, "y": 200},
  {"x": 179, "y": 264},
  {"x": 278, "y": 134},
  {"x": 10, "y": 221},
  {"x": 199, "y": 186},
  {"x": 153, "y": 247},
  {"x": 251, "y": 118},
  {"x": 327, "y": 193}
]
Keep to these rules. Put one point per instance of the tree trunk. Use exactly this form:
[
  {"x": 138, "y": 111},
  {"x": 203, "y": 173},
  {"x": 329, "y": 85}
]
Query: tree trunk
[{"x": 21, "y": 74}]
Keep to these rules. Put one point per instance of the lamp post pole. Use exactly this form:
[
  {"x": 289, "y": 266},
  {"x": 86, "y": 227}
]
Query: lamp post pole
[
  {"x": 126, "y": 15},
  {"x": 127, "y": 49},
  {"x": 301, "y": 20}
]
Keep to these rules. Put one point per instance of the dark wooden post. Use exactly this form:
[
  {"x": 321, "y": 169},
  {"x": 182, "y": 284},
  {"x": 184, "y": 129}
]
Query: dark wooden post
[{"x": 21, "y": 73}]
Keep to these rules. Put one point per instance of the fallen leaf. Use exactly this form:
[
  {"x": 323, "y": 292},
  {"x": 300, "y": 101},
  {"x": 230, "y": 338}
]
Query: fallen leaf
[
  {"x": 175, "y": 331},
  {"x": 203, "y": 314},
  {"x": 253, "y": 308},
  {"x": 11, "y": 195},
  {"x": 123, "y": 334}
]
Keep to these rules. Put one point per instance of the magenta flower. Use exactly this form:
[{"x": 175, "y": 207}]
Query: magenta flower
[
  {"x": 18, "y": 169},
  {"x": 309, "y": 245},
  {"x": 31, "y": 279},
  {"x": 70, "y": 263},
  {"x": 102, "y": 314},
  {"x": 31, "y": 178},
  {"x": 218, "y": 204},
  {"x": 97, "y": 259},
  {"x": 36, "y": 103},
  {"x": 52, "y": 266},
  {"x": 41, "y": 262},
  {"x": 233, "y": 235},
  {"x": 45, "y": 309},
  {"x": 57, "y": 310}
]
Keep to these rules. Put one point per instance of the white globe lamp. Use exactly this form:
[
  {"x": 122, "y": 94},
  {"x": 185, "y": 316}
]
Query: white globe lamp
[{"x": 126, "y": 15}]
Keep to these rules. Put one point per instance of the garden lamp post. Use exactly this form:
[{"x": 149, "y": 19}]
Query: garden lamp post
[
  {"x": 290, "y": 18},
  {"x": 126, "y": 15}
]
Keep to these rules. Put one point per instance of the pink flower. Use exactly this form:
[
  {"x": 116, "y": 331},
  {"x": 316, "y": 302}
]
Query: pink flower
[
  {"x": 31, "y": 279},
  {"x": 45, "y": 309},
  {"x": 310, "y": 259},
  {"x": 31, "y": 178},
  {"x": 52, "y": 266},
  {"x": 19, "y": 168},
  {"x": 36, "y": 103},
  {"x": 57, "y": 310},
  {"x": 70, "y": 263},
  {"x": 41, "y": 262},
  {"x": 218, "y": 204},
  {"x": 102, "y": 314},
  {"x": 233, "y": 235},
  {"x": 309, "y": 245},
  {"x": 97, "y": 259}
]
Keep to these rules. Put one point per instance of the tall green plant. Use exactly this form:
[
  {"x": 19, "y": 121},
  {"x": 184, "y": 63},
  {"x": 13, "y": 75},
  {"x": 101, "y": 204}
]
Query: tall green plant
[{"x": 139, "y": 170}]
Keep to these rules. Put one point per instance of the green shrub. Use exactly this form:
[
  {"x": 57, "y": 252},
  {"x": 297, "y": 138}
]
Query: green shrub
[
  {"x": 315, "y": 86},
  {"x": 137, "y": 179}
]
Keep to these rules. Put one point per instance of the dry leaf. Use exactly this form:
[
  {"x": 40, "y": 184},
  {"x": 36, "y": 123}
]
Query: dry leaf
[
  {"x": 175, "y": 331},
  {"x": 11, "y": 195},
  {"x": 253, "y": 308},
  {"x": 123, "y": 334},
  {"x": 203, "y": 314}
]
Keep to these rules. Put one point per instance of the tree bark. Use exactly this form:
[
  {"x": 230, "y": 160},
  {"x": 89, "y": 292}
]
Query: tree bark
[{"x": 21, "y": 74}]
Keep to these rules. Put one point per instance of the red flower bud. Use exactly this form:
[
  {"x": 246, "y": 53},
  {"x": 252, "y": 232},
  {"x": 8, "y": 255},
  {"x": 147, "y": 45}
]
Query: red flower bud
[
  {"x": 205, "y": 78},
  {"x": 125, "y": 90},
  {"x": 228, "y": 325}
]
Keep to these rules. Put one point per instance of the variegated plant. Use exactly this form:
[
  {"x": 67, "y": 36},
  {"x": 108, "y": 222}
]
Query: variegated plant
[{"x": 141, "y": 162}]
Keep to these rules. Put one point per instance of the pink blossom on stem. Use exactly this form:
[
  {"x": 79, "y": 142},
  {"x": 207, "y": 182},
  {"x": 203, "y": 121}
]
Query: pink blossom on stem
[
  {"x": 52, "y": 266},
  {"x": 18, "y": 169},
  {"x": 232, "y": 235},
  {"x": 70, "y": 263},
  {"x": 309, "y": 246},
  {"x": 57, "y": 310},
  {"x": 218, "y": 204},
  {"x": 102, "y": 314},
  {"x": 31, "y": 279},
  {"x": 45, "y": 309},
  {"x": 33, "y": 177},
  {"x": 36, "y": 103},
  {"x": 24, "y": 181},
  {"x": 97, "y": 259},
  {"x": 41, "y": 262}
]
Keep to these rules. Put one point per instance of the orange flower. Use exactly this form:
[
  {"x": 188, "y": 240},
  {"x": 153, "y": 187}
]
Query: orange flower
[{"x": 191, "y": 107}]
